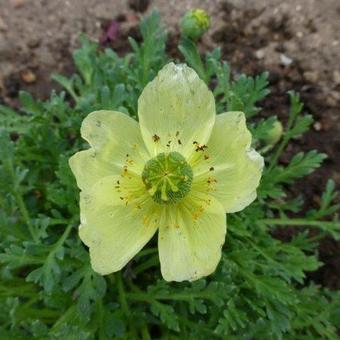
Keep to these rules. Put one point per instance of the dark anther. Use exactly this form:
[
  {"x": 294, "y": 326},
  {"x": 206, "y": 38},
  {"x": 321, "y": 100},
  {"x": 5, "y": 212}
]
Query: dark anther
[{"x": 156, "y": 138}]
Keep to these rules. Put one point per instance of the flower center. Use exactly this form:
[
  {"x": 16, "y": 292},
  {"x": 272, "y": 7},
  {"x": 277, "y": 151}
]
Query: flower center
[{"x": 167, "y": 177}]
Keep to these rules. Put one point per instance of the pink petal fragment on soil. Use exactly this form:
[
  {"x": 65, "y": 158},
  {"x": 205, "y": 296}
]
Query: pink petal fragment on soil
[{"x": 110, "y": 34}]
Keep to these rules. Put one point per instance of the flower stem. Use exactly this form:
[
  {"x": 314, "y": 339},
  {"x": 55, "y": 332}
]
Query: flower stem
[
  {"x": 17, "y": 193},
  {"x": 175, "y": 297},
  {"x": 145, "y": 333},
  {"x": 153, "y": 261},
  {"x": 147, "y": 251},
  {"x": 25, "y": 215},
  {"x": 278, "y": 152},
  {"x": 286, "y": 138},
  {"x": 124, "y": 303},
  {"x": 63, "y": 237},
  {"x": 299, "y": 222}
]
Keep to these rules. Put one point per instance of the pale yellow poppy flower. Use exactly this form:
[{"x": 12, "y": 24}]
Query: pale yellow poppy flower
[{"x": 179, "y": 171}]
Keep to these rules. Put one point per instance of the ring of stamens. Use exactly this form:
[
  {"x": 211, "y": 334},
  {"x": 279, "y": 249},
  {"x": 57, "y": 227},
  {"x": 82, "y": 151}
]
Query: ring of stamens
[{"x": 167, "y": 177}]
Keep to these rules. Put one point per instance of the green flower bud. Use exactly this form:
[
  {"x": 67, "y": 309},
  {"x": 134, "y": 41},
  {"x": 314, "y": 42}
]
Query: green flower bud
[
  {"x": 195, "y": 23},
  {"x": 274, "y": 134}
]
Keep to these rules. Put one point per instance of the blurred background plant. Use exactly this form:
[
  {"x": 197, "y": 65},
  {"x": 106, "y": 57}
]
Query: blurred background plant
[{"x": 260, "y": 290}]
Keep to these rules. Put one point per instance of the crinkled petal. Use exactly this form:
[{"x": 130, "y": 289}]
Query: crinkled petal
[
  {"x": 116, "y": 144},
  {"x": 175, "y": 111},
  {"x": 116, "y": 222},
  {"x": 229, "y": 169},
  {"x": 190, "y": 238}
]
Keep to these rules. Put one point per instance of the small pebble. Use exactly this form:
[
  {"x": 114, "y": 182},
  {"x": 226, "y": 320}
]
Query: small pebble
[
  {"x": 317, "y": 126},
  {"x": 286, "y": 61},
  {"x": 28, "y": 76},
  {"x": 259, "y": 54}
]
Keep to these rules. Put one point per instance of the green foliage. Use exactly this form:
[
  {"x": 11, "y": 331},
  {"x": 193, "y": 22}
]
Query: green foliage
[
  {"x": 233, "y": 95},
  {"x": 48, "y": 289}
]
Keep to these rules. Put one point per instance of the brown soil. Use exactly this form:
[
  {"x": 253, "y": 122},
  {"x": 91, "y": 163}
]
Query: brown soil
[{"x": 298, "y": 42}]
